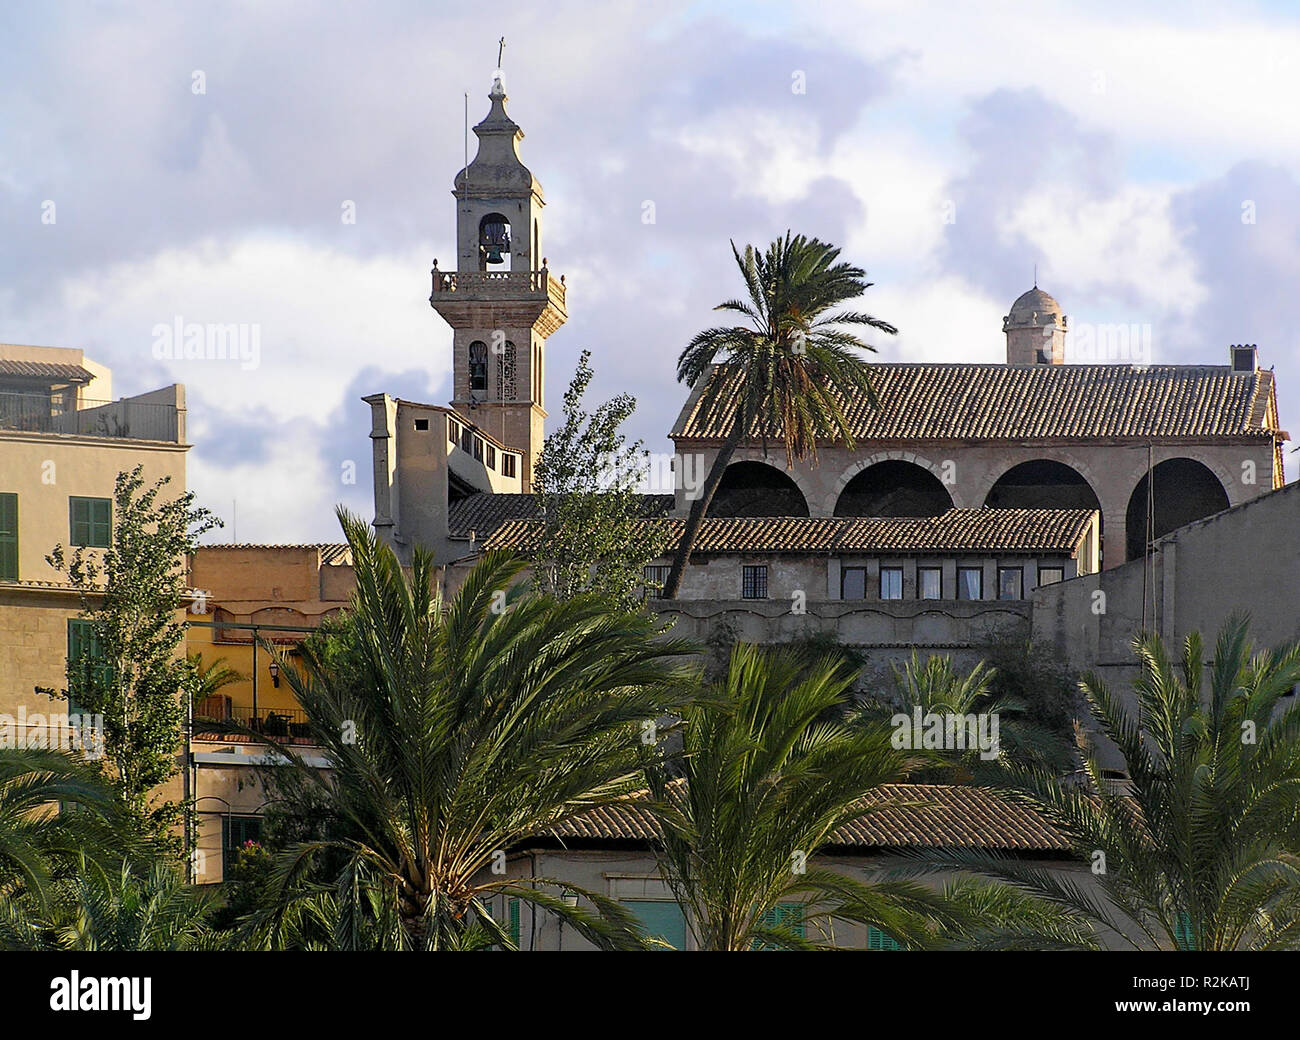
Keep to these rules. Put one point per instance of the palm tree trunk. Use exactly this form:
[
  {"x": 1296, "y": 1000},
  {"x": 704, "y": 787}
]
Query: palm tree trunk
[{"x": 699, "y": 509}]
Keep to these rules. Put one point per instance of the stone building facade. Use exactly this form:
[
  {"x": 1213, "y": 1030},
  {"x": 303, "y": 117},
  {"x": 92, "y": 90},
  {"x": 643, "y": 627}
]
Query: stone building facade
[
  {"x": 63, "y": 441},
  {"x": 985, "y": 449}
]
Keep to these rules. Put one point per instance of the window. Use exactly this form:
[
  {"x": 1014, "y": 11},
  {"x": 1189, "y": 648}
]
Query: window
[
  {"x": 853, "y": 583},
  {"x": 453, "y": 431},
  {"x": 83, "y": 651},
  {"x": 891, "y": 582},
  {"x": 490, "y": 456},
  {"x": 422, "y": 425},
  {"x": 236, "y": 832},
  {"x": 970, "y": 583},
  {"x": 661, "y": 919},
  {"x": 512, "y": 920},
  {"x": 929, "y": 583},
  {"x": 655, "y": 575},
  {"x": 91, "y": 521},
  {"x": 478, "y": 365},
  {"x": 8, "y": 537},
  {"x": 878, "y": 940},
  {"x": 466, "y": 439},
  {"x": 507, "y": 464},
  {"x": 1050, "y": 575},
  {"x": 478, "y": 449},
  {"x": 788, "y": 916},
  {"x": 753, "y": 583},
  {"x": 1011, "y": 583}
]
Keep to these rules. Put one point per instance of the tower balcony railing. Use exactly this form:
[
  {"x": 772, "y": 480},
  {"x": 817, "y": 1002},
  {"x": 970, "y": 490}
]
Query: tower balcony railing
[{"x": 487, "y": 285}]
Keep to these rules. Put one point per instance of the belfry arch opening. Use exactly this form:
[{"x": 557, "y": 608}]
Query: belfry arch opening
[
  {"x": 757, "y": 489},
  {"x": 494, "y": 243},
  {"x": 894, "y": 488},
  {"x": 1184, "y": 490},
  {"x": 1042, "y": 484}
]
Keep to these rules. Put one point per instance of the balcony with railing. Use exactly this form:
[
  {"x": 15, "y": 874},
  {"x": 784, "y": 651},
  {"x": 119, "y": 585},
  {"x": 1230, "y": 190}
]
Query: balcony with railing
[
  {"x": 473, "y": 286},
  {"x": 217, "y": 715},
  {"x": 128, "y": 418}
]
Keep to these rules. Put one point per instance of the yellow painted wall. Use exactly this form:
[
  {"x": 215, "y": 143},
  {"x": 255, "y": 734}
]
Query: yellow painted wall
[{"x": 45, "y": 470}]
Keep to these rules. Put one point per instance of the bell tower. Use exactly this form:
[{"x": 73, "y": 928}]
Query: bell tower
[{"x": 501, "y": 301}]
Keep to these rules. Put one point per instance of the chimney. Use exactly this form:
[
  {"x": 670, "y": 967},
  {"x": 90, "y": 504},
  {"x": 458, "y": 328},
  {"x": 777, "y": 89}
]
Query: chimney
[{"x": 1244, "y": 358}]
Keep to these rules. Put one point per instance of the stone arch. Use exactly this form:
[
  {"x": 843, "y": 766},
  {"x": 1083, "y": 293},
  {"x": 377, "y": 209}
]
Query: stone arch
[
  {"x": 938, "y": 470},
  {"x": 1043, "y": 483},
  {"x": 893, "y": 487},
  {"x": 754, "y": 488},
  {"x": 1185, "y": 490}
]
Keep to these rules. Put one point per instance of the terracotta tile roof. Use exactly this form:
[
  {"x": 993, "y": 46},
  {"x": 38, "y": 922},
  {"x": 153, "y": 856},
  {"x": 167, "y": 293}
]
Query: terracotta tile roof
[
  {"x": 896, "y": 816},
  {"x": 484, "y": 513},
  {"x": 1019, "y": 402},
  {"x": 331, "y": 553},
  {"x": 45, "y": 370},
  {"x": 958, "y": 530}
]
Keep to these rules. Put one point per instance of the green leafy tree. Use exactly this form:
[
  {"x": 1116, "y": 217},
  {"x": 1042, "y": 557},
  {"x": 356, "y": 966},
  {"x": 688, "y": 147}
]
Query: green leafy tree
[
  {"x": 455, "y": 730},
  {"x": 593, "y": 534},
  {"x": 788, "y": 370},
  {"x": 1198, "y": 849},
  {"x": 132, "y": 595}
]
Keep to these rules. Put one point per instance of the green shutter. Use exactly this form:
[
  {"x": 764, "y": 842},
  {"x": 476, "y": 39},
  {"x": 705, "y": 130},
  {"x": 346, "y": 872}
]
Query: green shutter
[
  {"x": 1184, "y": 933},
  {"x": 878, "y": 940},
  {"x": 8, "y": 537},
  {"x": 78, "y": 521},
  {"x": 784, "y": 915},
  {"x": 82, "y": 643},
  {"x": 513, "y": 910},
  {"x": 90, "y": 522},
  {"x": 101, "y": 522},
  {"x": 661, "y": 919}
]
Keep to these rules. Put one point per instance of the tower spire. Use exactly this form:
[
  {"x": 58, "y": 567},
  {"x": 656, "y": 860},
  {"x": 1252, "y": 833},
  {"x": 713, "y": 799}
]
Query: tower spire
[{"x": 501, "y": 301}]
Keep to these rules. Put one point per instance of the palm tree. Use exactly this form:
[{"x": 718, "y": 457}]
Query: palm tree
[
  {"x": 133, "y": 910},
  {"x": 1198, "y": 850},
  {"x": 35, "y": 833},
  {"x": 788, "y": 371},
  {"x": 768, "y": 775},
  {"x": 208, "y": 680},
  {"x": 454, "y": 730},
  {"x": 42, "y": 837},
  {"x": 936, "y": 686}
]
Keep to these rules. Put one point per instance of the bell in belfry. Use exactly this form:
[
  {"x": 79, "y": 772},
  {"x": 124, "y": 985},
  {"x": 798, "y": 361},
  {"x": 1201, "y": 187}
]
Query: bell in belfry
[{"x": 494, "y": 238}]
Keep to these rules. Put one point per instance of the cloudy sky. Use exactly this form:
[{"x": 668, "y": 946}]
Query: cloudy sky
[{"x": 1148, "y": 165}]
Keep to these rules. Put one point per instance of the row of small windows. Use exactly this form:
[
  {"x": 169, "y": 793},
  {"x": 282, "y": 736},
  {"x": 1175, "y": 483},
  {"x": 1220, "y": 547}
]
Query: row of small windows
[
  {"x": 854, "y": 582},
  {"x": 90, "y": 524},
  {"x": 471, "y": 443},
  {"x": 929, "y": 582}
]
